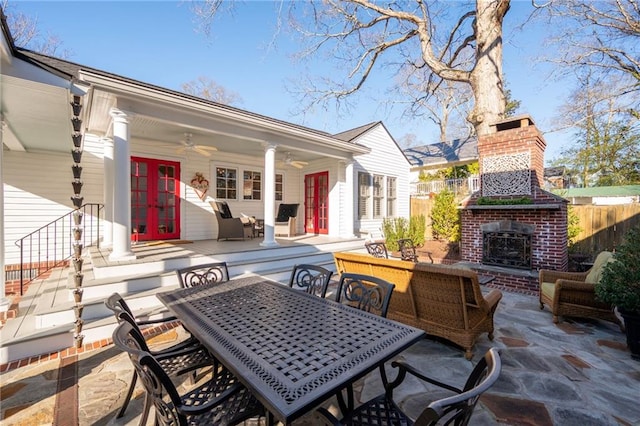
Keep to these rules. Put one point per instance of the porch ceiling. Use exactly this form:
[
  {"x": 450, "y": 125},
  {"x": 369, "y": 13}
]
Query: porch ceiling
[{"x": 36, "y": 113}]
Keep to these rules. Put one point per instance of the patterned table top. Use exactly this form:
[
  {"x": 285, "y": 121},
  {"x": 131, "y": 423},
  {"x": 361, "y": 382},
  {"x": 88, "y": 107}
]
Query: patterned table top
[{"x": 293, "y": 350}]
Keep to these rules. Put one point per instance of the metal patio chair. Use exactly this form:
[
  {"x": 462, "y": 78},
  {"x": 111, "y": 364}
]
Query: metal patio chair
[
  {"x": 452, "y": 410},
  {"x": 222, "y": 399},
  {"x": 183, "y": 357},
  {"x": 311, "y": 279},
  {"x": 407, "y": 250},
  {"x": 210, "y": 273},
  {"x": 365, "y": 292},
  {"x": 377, "y": 250}
]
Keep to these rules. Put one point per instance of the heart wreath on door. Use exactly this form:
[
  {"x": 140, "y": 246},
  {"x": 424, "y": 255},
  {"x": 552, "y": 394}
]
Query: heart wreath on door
[{"x": 200, "y": 185}]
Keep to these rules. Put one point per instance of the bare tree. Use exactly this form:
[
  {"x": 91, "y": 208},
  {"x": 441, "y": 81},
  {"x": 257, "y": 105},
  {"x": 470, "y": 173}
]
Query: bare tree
[
  {"x": 368, "y": 36},
  {"x": 206, "y": 88},
  {"x": 26, "y": 33},
  {"x": 607, "y": 142},
  {"x": 603, "y": 36}
]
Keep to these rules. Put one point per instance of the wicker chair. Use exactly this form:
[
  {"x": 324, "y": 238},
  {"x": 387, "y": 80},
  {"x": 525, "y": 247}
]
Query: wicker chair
[
  {"x": 220, "y": 400},
  {"x": 181, "y": 358},
  {"x": 206, "y": 274},
  {"x": 310, "y": 278},
  {"x": 377, "y": 250},
  {"x": 285, "y": 223},
  {"x": 572, "y": 294},
  {"x": 365, "y": 292},
  {"x": 230, "y": 227},
  {"x": 456, "y": 409}
]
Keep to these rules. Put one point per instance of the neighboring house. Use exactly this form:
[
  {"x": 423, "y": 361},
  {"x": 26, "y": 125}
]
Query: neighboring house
[
  {"x": 143, "y": 151},
  {"x": 428, "y": 159},
  {"x": 602, "y": 195}
]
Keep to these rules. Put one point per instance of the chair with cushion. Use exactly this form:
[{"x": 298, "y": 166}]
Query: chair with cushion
[
  {"x": 230, "y": 227},
  {"x": 311, "y": 279},
  {"x": 377, "y": 250},
  {"x": 286, "y": 220},
  {"x": 365, "y": 292},
  {"x": 572, "y": 294},
  {"x": 210, "y": 273},
  {"x": 221, "y": 399},
  {"x": 452, "y": 410},
  {"x": 181, "y": 358}
]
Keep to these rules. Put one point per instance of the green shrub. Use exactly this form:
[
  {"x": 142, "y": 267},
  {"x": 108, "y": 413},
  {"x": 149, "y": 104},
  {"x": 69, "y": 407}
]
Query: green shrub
[
  {"x": 573, "y": 227},
  {"x": 486, "y": 201},
  {"x": 620, "y": 282},
  {"x": 445, "y": 217},
  {"x": 398, "y": 228}
]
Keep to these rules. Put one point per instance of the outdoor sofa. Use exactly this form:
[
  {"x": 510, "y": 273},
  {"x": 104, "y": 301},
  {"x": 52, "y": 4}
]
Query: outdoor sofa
[{"x": 443, "y": 300}]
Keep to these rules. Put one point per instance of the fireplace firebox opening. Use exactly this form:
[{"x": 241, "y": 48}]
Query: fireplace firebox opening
[{"x": 507, "y": 243}]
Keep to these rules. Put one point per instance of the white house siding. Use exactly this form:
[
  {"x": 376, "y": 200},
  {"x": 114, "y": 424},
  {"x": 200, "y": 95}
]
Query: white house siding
[
  {"x": 385, "y": 159},
  {"x": 37, "y": 191}
]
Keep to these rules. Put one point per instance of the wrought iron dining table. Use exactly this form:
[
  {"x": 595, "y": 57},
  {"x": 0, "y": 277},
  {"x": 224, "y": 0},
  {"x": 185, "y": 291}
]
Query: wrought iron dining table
[{"x": 291, "y": 349}]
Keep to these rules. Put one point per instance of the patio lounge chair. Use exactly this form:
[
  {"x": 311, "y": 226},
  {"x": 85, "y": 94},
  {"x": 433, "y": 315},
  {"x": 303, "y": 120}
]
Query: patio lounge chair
[
  {"x": 230, "y": 227},
  {"x": 286, "y": 220},
  {"x": 572, "y": 294}
]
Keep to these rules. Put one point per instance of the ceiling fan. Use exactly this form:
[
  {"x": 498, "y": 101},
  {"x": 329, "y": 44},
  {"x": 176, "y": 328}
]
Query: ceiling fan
[
  {"x": 289, "y": 161},
  {"x": 188, "y": 145}
]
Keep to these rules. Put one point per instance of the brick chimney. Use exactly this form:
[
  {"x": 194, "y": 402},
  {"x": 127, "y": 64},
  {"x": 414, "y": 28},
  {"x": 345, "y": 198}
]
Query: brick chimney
[{"x": 514, "y": 145}]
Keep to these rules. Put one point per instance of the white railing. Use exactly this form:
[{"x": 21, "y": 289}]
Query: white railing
[{"x": 457, "y": 186}]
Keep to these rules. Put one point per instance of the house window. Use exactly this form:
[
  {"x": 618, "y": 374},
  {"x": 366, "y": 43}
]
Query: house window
[
  {"x": 252, "y": 185},
  {"x": 279, "y": 186},
  {"x": 391, "y": 196},
  {"x": 378, "y": 195},
  {"x": 364, "y": 193},
  {"x": 226, "y": 183}
]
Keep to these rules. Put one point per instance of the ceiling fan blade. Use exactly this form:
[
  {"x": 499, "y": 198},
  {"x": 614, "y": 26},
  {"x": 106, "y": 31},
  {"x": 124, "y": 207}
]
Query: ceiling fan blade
[
  {"x": 297, "y": 164},
  {"x": 207, "y": 147},
  {"x": 201, "y": 151},
  {"x": 181, "y": 149}
]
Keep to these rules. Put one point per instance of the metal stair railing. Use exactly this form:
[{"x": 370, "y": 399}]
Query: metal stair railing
[{"x": 53, "y": 244}]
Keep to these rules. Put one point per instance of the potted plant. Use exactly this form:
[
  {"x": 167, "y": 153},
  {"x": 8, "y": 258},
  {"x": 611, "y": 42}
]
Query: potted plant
[{"x": 620, "y": 286}]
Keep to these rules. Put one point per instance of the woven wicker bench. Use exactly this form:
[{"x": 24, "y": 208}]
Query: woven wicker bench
[{"x": 442, "y": 300}]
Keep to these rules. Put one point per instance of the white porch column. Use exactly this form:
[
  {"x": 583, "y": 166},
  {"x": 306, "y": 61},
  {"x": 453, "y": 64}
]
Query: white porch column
[
  {"x": 109, "y": 174},
  {"x": 269, "y": 195},
  {"x": 122, "y": 188},
  {"x": 4, "y": 301},
  {"x": 349, "y": 198}
]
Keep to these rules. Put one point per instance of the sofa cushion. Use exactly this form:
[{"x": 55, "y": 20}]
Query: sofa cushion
[
  {"x": 595, "y": 273},
  {"x": 548, "y": 290},
  {"x": 285, "y": 211},
  {"x": 225, "y": 212}
]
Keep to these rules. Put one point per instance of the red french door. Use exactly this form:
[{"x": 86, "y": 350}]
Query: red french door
[
  {"x": 316, "y": 203},
  {"x": 155, "y": 199}
]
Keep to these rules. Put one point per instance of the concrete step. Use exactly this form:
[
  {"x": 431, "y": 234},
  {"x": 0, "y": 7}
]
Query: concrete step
[{"x": 46, "y": 319}]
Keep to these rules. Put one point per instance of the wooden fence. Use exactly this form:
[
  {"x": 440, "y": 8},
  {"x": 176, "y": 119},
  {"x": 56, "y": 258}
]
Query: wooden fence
[
  {"x": 601, "y": 227},
  {"x": 604, "y": 227}
]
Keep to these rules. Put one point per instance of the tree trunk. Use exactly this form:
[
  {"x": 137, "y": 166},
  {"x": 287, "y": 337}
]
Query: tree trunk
[{"x": 486, "y": 77}]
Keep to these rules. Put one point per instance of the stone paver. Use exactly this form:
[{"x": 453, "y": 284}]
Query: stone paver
[{"x": 575, "y": 373}]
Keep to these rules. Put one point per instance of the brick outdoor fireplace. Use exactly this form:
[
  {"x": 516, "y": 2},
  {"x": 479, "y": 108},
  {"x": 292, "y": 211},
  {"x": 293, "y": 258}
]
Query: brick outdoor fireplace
[{"x": 512, "y": 228}]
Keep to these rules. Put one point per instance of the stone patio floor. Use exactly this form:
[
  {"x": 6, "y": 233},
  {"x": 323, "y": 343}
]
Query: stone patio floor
[{"x": 578, "y": 372}]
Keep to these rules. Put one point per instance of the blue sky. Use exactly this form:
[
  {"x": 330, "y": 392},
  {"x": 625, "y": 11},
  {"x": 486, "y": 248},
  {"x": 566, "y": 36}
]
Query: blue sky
[{"x": 157, "y": 42}]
